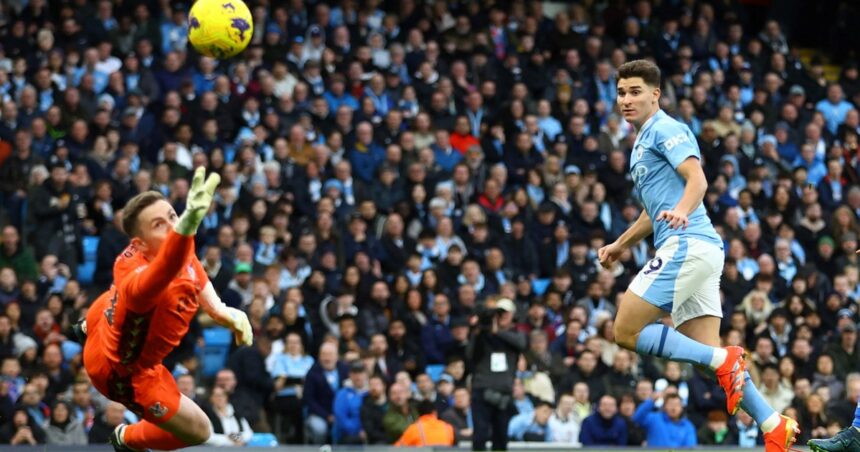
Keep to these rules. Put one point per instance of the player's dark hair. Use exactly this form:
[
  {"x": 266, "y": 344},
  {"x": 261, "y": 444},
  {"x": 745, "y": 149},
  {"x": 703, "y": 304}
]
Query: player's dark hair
[
  {"x": 649, "y": 71},
  {"x": 134, "y": 207}
]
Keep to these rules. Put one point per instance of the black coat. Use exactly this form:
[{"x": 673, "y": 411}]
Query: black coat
[
  {"x": 408, "y": 356},
  {"x": 521, "y": 256},
  {"x": 393, "y": 257},
  {"x": 15, "y": 172},
  {"x": 318, "y": 395},
  {"x": 254, "y": 383},
  {"x": 100, "y": 432},
  {"x": 49, "y": 219},
  {"x": 371, "y": 421},
  {"x": 111, "y": 243}
]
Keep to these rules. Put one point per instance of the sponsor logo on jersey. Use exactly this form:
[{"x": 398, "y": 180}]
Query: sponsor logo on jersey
[
  {"x": 676, "y": 140},
  {"x": 638, "y": 173}
]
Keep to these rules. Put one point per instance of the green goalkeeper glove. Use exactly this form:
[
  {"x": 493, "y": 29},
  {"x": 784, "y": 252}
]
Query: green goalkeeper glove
[{"x": 199, "y": 198}]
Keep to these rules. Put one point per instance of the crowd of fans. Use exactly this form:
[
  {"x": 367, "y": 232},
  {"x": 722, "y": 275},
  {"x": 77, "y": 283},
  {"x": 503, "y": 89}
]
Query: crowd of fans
[{"x": 388, "y": 167}]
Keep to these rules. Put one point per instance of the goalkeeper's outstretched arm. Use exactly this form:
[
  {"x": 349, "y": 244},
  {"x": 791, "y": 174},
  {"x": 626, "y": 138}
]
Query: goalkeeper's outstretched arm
[{"x": 225, "y": 316}]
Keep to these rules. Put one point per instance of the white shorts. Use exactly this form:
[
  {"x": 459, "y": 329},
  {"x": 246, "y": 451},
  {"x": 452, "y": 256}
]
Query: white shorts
[{"x": 683, "y": 278}]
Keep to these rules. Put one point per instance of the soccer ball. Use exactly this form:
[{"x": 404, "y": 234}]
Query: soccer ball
[{"x": 220, "y": 28}]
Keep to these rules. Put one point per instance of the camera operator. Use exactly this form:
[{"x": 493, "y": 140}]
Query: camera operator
[{"x": 494, "y": 350}]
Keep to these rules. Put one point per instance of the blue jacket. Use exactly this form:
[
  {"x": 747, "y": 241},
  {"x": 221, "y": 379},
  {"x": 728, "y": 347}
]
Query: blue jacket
[
  {"x": 597, "y": 431},
  {"x": 365, "y": 160},
  {"x": 335, "y": 102},
  {"x": 661, "y": 431},
  {"x": 347, "y": 412},
  {"x": 447, "y": 160},
  {"x": 525, "y": 423},
  {"x": 319, "y": 395}
]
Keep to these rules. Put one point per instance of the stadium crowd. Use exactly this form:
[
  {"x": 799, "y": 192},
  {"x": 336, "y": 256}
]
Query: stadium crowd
[{"x": 391, "y": 169}]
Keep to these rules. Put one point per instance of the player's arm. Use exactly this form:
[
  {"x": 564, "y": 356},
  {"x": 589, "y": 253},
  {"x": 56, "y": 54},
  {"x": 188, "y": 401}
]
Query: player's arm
[
  {"x": 637, "y": 232},
  {"x": 226, "y": 316},
  {"x": 179, "y": 243},
  {"x": 634, "y": 234},
  {"x": 155, "y": 277},
  {"x": 694, "y": 192}
]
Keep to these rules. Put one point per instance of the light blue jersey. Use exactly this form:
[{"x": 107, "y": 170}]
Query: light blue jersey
[{"x": 662, "y": 144}]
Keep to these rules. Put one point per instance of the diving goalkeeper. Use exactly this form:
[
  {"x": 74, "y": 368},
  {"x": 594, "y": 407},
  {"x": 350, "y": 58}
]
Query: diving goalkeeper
[{"x": 158, "y": 286}]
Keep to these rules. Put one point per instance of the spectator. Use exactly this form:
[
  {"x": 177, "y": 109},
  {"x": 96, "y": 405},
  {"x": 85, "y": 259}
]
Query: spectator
[
  {"x": 459, "y": 415},
  {"x": 12, "y": 345},
  {"x": 63, "y": 429},
  {"x": 289, "y": 372},
  {"x": 32, "y": 401},
  {"x": 666, "y": 428},
  {"x": 842, "y": 409},
  {"x": 427, "y": 430},
  {"x": 426, "y": 390},
  {"x": 22, "y": 430},
  {"x": 54, "y": 214},
  {"x": 534, "y": 426},
  {"x": 324, "y": 378},
  {"x": 106, "y": 422},
  {"x": 586, "y": 371},
  {"x": 83, "y": 406},
  {"x": 627, "y": 409},
  {"x": 749, "y": 435},
  {"x": 228, "y": 428},
  {"x": 373, "y": 407},
  {"x": 717, "y": 431},
  {"x": 582, "y": 406},
  {"x": 17, "y": 256},
  {"x": 834, "y": 107},
  {"x": 844, "y": 351},
  {"x": 254, "y": 385},
  {"x": 619, "y": 379},
  {"x": 188, "y": 387},
  {"x": 605, "y": 427},
  {"x": 564, "y": 426},
  {"x": 59, "y": 377},
  {"x": 347, "y": 407},
  {"x": 539, "y": 359},
  {"x": 401, "y": 411},
  {"x": 436, "y": 335},
  {"x": 824, "y": 377}
]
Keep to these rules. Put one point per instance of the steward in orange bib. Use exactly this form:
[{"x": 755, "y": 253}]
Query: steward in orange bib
[{"x": 428, "y": 430}]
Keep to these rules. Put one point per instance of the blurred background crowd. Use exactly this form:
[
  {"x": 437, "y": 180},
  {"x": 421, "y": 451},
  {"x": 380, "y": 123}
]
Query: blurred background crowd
[{"x": 392, "y": 170}]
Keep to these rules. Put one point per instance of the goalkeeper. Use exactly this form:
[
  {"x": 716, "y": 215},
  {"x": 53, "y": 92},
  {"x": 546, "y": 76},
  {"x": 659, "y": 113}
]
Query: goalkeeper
[{"x": 131, "y": 328}]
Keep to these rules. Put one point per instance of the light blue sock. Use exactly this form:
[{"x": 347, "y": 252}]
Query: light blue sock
[
  {"x": 856, "y": 423},
  {"x": 665, "y": 342},
  {"x": 757, "y": 407}
]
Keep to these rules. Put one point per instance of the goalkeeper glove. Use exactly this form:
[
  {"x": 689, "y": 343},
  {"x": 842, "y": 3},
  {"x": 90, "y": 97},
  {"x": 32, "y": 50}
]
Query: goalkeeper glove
[
  {"x": 199, "y": 198},
  {"x": 238, "y": 322}
]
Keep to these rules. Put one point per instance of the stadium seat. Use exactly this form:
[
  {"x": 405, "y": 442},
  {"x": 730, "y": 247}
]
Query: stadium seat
[
  {"x": 263, "y": 440},
  {"x": 215, "y": 351},
  {"x": 434, "y": 371},
  {"x": 539, "y": 286},
  {"x": 90, "y": 245}
]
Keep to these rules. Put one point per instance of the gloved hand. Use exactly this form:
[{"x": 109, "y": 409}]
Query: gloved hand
[
  {"x": 199, "y": 198},
  {"x": 238, "y": 322}
]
